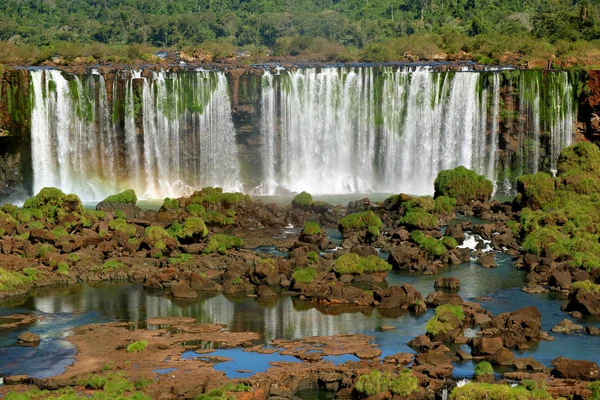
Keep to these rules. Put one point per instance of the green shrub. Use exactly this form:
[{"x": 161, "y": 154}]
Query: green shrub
[
  {"x": 142, "y": 383},
  {"x": 372, "y": 384},
  {"x": 424, "y": 203},
  {"x": 112, "y": 264},
  {"x": 420, "y": 220},
  {"x": 156, "y": 237},
  {"x": 30, "y": 273},
  {"x": 119, "y": 224},
  {"x": 449, "y": 242},
  {"x": 352, "y": 263},
  {"x": 441, "y": 323},
  {"x": 535, "y": 190},
  {"x": 45, "y": 249},
  {"x": 431, "y": 245},
  {"x": 483, "y": 368},
  {"x": 594, "y": 387},
  {"x": 486, "y": 391},
  {"x": 311, "y": 228},
  {"x": 587, "y": 286},
  {"x": 463, "y": 184},
  {"x": 444, "y": 204},
  {"x": 195, "y": 209},
  {"x": 126, "y": 197},
  {"x": 137, "y": 347},
  {"x": 366, "y": 220},
  {"x": 538, "y": 242},
  {"x": 313, "y": 256},
  {"x": 192, "y": 228},
  {"x": 302, "y": 199},
  {"x": 169, "y": 205},
  {"x": 304, "y": 275},
  {"x": 63, "y": 268},
  {"x": 12, "y": 279},
  {"x": 221, "y": 243},
  {"x": 404, "y": 384}
]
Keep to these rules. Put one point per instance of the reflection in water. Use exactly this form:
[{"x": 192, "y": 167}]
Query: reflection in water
[{"x": 277, "y": 318}]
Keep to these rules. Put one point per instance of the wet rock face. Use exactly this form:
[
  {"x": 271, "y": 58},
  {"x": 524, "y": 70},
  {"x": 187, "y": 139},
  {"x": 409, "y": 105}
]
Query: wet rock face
[{"x": 584, "y": 302}]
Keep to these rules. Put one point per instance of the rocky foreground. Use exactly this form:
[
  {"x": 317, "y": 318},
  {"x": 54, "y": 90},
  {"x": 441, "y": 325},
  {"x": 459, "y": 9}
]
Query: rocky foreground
[{"x": 204, "y": 242}]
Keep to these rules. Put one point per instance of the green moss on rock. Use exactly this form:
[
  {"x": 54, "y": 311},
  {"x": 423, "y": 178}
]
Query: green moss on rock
[
  {"x": 221, "y": 243},
  {"x": 366, "y": 220},
  {"x": 302, "y": 199},
  {"x": 354, "y": 264},
  {"x": 535, "y": 190},
  {"x": 463, "y": 184},
  {"x": 418, "y": 219},
  {"x": 311, "y": 228},
  {"x": 431, "y": 245},
  {"x": 126, "y": 197}
]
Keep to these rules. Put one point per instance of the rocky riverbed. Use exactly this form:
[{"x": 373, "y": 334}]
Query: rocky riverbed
[{"x": 206, "y": 245}]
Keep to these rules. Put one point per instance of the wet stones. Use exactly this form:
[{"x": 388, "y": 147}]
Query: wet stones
[
  {"x": 450, "y": 283},
  {"x": 567, "y": 326},
  {"x": 28, "y": 337},
  {"x": 182, "y": 290}
]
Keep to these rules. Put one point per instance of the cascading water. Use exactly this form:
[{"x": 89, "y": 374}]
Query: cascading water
[
  {"x": 177, "y": 132},
  {"x": 323, "y": 130},
  {"x": 345, "y": 130}
]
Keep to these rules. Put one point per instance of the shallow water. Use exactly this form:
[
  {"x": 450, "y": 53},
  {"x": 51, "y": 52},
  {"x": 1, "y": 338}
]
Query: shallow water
[{"x": 61, "y": 309}]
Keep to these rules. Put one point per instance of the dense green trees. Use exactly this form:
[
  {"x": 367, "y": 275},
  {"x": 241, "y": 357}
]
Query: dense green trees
[{"x": 485, "y": 27}]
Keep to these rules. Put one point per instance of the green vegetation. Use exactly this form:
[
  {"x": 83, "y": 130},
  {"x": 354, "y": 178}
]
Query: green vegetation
[
  {"x": 219, "y": 393},
  {"x": 311, "y": 228},
  {"x": 420, "y": 220},
  {"x": 431, "y": 245},
  {"x": 210, "y": 196},
  {"x": 354, "y": 264},
  {"x": 121, "y": 32},
  {"x": 63, "y": 268},
  {"x": 586, "y": 286},
  {"x": 221, "y": 243},
  {"x": 443, "y": 321},
  {"x": 403, "y": 384},
  {"x": 304, "y": 275},
  {"x": 476, "y": 391},
  {"x": 462, "y": 184},
  {"x": 595, "y": 389},
  {"x": 51, "y": 203},
  {"x": 155, "y": 237},
  {"x": 193, "y": 228},
  {"x": 73, "y": 257},
  {"x": 565, "y": 226},
  {"x": 30, "y": 273},
  {"x": 126, "y": 197},
  {"x": 119, "y": 224},
  {"x": 444, "y": 204},
  {"x": 535, "y": 190},
  {"x": 449, "y": 242},
  {"x": 10, "y": 280},
  {"x": 112, "y": 264},
  {"x": 45, "y": 249},
  {"x": 302, "y": 200},
  {"x": 137, "y": 347},
  {"x": 180, "y": 258},
  {"x": 483, "y": 368},
  {"x": 366, "y": 220}
]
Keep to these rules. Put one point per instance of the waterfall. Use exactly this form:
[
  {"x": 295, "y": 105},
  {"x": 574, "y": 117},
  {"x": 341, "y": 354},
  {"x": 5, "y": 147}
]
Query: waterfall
[
  {"x": 324, "y": 130},
  {"x": 177, "y": 134}
]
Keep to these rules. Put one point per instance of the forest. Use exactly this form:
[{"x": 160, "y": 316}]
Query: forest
[{"x": 487, "y": 31}]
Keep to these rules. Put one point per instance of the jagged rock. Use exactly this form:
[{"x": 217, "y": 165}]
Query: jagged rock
[
  {"x": 567, "y": 326},
  {"x": 560, "y": 279},
  {"x": 575, "y": 369},
  {"x": 438, "y": 298},
  {"x": 463, "y": 355},
  {"x": 518, "y": 327},
  {"x": 419, "y": 341},
  {"x": 528, "y": 363}
]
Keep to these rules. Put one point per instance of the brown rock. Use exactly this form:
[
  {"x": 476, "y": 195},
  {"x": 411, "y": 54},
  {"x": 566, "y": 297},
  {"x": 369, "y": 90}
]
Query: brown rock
[
  {"x": 567, "y": 326},
  {"x": 399, "y": 358},
  {"x": 202, "y": 283},
  {"x": 592, "y": 330},
  {"x": 29, "y": 337},
  {"x": 487, "y": 260},
  {"x": 575, "y": 369},
  {"x": 447, "y": 283},
  {"x": 503, "y": 357},
  {"x": 486, "y": 346},
  {"x": 182, "y": 290}
]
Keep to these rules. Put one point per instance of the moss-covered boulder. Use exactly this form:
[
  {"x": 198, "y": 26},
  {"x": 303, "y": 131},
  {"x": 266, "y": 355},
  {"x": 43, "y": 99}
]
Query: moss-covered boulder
[
  {"x": 156, "y": 237},
  {"x": 221, "y": 243},
  {"x": 463, "y": 184},
  {"x": 192, "y": 230},
  {"x": 535, "y": 190},
  {"x": 446, "y": 324},
  {"x": 420, "y": 219},
  {"x": 52, "y": 202},
  {"x": 353, "y": 264},
  {"x": 124, "y": 202},
  {"x": 366, "y": 224}
]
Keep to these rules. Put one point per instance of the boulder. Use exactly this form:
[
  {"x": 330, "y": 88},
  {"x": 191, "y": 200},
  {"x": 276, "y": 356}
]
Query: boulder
[
  {"x": 528, "y": 363},
  {"x": 203, "y": 284},
  {"x": 28, "y": 337},
  {"x": 456, "y": 232},
  {"x": 560, "y": 279},
  {"x": 182, "y": 290},
  {"x": 451, "y": 283},
  {"x": 487, "y": 260},
  {"x": 585, "y": 302},
  {"x": 503, "y": 357},
  {"x": 518, "y": 327},
  {"x": 482, "y": 346},
  {"x": 399, "y": 359},
  {"x": 592, "y": 330},
  {"x": 567, "y": 326},
  {"x": 575, "y": 369}
]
